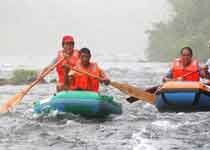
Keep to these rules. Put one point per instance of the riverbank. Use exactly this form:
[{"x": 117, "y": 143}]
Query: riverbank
[{"x": 20, "y": 77}]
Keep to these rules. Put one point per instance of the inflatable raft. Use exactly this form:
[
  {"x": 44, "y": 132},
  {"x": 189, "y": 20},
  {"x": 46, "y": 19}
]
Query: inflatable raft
[
  {"x": 183, "y": 97},
  {"x": 84, "y": 103}
]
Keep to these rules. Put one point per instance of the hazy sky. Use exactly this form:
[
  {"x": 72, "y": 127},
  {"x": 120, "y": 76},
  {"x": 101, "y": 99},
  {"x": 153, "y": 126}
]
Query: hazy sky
[{"x": 35, "y": 27}]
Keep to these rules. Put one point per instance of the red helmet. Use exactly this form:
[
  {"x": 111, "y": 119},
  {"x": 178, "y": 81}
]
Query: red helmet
[{"x": 68, "y": 38}]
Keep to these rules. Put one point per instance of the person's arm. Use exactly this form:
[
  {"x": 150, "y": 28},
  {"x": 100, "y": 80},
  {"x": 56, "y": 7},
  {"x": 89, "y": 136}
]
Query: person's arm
[
  {"x": 104, "y": 77},
  {"x": 71, "y": 75},
  {"x": 168, "y": 76}
]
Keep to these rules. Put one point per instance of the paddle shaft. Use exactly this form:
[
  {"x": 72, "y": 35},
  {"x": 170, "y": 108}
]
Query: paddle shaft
[
  {"x": 183, "y": 76},
  {"x": 19, "y": 96},
  {"x": 187, "y": 74},
  {"x": 125, "y": 88},
  {"x": 154, "y": 89},
  {"x": 43, "y": 75},
  {"x": 87, "y": 73}
]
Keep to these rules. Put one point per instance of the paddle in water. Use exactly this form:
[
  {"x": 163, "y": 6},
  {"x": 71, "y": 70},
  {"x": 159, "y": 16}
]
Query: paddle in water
[{"x": 19, "y": 96}]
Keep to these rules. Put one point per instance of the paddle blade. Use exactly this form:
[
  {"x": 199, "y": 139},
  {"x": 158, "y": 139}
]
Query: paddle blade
[
  {"x": 132, "y": 99},
  {"x": 134, "y": 92},
  {"x": 11, "y": 102}
]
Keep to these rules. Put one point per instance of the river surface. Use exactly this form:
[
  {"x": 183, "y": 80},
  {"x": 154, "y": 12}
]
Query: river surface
[{"x": 140, "y": 127}]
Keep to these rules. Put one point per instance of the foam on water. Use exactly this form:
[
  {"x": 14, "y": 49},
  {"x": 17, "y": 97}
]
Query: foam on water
[
  {"x": 166, "y": 125},
  {"x": 140, "y": 127},
  {"x": 139, "y": 142}
]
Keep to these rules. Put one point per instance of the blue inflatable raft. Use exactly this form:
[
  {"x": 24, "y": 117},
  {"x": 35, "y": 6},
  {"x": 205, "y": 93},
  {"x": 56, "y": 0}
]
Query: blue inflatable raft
[{"x": 183, "y": 97}]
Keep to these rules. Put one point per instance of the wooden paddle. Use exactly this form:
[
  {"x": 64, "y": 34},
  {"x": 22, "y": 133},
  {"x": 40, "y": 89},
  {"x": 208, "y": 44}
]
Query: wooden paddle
[
  {"x": 154, "y": 89},
  {"x": 18, "y": 97},
  {"x": 125, "y": 88}
]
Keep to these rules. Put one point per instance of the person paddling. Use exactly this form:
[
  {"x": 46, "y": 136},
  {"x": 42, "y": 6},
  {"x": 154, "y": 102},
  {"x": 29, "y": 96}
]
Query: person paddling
[
  {"x": 184, "y": 68},
  {"x": 80, "y": 81},
  {"x": 70, "y": 55}
]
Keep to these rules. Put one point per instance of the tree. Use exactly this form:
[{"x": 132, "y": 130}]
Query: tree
[{"x": 189, "y": 27}]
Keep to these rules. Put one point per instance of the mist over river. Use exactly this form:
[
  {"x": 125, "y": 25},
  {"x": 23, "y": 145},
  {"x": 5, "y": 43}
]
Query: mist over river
[{"x": 30, "y": 35}]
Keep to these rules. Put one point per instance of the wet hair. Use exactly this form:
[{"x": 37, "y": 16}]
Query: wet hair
[
  {"x": 85, "y": 50},
  {"x": 188, "y": 48}
]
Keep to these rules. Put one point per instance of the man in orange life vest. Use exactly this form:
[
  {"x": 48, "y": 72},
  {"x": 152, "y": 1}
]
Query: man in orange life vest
[
  {"x": 184, "y": 68},
  {"x": 79, "y": 81},
  {"x": 71, "y": 56}
]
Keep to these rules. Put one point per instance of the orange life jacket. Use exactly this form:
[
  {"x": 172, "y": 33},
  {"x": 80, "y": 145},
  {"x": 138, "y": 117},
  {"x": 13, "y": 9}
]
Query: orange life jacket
[
  {"x": 179, "y": 71},
  {"x": 59, "y": 68},
  {"x": 83, "y": 82}
]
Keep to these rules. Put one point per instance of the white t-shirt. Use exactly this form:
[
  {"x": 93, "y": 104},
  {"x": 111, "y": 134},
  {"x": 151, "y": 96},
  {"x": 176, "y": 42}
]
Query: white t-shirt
[{"x": 208, "y": 64}]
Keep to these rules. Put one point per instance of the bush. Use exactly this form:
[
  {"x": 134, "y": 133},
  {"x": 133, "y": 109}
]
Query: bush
[
  {"x": 22, "y": 76},
  {"x": 4, "y": 81},
  {"x": 189, "y": 26}
]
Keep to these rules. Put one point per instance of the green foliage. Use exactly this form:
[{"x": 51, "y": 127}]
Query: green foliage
[
  {"x": 4, "y": 81},
  {"x": 22, "y": 76},
  {"x": 190, "y": 27}
]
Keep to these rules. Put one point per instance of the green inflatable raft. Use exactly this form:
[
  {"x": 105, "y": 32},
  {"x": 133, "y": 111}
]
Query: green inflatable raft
[{"x": 85, "y": 103}]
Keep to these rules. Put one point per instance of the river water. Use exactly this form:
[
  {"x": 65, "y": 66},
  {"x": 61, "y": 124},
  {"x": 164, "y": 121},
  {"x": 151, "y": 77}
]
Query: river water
[{"x": 140, "y": 127}]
